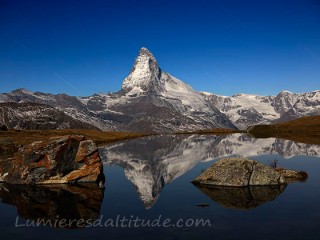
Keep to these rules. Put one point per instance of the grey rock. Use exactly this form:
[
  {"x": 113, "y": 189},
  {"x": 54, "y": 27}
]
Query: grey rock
[
  {"x": 241, "y": 172},
  {"x": 265, "y": 175}
]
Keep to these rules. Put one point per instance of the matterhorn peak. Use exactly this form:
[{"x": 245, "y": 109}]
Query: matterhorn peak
[
  {"x": 145, "y": 74},
  {"x": 145, "y": 52}
]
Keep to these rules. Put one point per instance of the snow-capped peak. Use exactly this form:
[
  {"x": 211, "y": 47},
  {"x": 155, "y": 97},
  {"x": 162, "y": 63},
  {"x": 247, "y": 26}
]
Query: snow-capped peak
[
  {"x": 144, "y": 75},
  {"x": 22, "y": 91},
  {"x": 145, "y": 52},
  {"x": 206, "y": 93},
  {"x": 285, "y": 92}
]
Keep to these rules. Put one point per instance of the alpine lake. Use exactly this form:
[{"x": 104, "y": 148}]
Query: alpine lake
[{"x": 149, "y": 195}]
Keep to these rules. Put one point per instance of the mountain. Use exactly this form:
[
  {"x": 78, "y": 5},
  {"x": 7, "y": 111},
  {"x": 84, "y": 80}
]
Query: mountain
[
  {"x": 245, "y": 110},
  {"x": 151, "y": 100},
  {"x": 159, "y": 102},
  {"x": 69, "y": 105},
  {"x": 152, "y": 162},
  {"x": 37, "y": 116}
]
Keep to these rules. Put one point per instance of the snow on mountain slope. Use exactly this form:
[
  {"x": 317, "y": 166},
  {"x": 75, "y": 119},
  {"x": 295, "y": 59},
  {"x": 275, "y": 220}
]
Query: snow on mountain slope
[
  {"x": 192, "y": 100},
  {"x": 37, "y": 116},
  {"x": 245, "y": 110},
  {"x": 145, "y": 74},
  {"x": 69, "y": 105},
  {"x": 294, "y": 105},
  {"x": 154, "y": 98},
  {"x": 146, "y": 77}
]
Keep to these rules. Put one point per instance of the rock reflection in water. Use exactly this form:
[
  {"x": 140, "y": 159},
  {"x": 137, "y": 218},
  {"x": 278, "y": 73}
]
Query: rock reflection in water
[
  {"x": 242, "y": 197},
  {"x": 54, "y": 202}
]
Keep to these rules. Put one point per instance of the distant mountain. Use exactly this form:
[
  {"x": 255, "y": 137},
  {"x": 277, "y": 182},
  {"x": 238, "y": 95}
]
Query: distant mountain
[
  {"x": 152, "y": 100},
  {"x": 69, "y": 105},
  {"x": 152, "y": 162},
  {"x": 245, "y": 110},
  {"x": 35, "y": 116}
]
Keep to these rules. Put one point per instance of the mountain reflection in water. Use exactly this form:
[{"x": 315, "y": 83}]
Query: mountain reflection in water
[
  {"x": 152, "y": 162},
  {"x": 54, "y": 202}
]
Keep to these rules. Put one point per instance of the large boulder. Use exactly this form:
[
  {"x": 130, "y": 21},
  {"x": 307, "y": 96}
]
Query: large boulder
[
  {"x": 66, "y": 159},
  {"x": 240, "y": 172}
]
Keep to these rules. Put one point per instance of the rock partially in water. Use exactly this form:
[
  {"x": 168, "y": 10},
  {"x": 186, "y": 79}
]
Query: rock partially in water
[
  {"x": 293, "y": 176},
  {"x": 51, "y": 203},
  {"x": 242, "y": 197},
  {"x": 240, "y": 172},
  {"x": 67, "y": 159}
]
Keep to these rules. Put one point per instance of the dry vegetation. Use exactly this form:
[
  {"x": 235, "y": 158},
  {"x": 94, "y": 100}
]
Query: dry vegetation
[
  {"x": 305, "y": 129},
  {"x": 99, "y": 137}
]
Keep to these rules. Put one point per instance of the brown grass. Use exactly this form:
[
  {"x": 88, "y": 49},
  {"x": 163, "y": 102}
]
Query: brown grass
[
  {"x": 18, "y": 137},
  {"x": 305, "y": 130}
]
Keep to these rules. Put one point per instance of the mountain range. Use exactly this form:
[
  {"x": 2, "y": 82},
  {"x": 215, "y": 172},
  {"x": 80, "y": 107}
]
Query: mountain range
[{"x": 152, "y": 100}]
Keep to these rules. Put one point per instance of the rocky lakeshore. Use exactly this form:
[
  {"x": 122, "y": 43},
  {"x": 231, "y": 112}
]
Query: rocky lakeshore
[{"x": 64, "y": 159}]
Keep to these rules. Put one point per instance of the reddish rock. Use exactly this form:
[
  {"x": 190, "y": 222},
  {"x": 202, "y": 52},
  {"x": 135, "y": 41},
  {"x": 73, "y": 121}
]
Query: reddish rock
[{"x": 67, "y": 159}]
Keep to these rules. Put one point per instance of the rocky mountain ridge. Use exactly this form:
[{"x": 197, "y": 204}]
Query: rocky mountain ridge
[
  {"x": 152, "y": 100},
  {"x": 36, "y": 116},
  {"x": 245, "y": 110}
]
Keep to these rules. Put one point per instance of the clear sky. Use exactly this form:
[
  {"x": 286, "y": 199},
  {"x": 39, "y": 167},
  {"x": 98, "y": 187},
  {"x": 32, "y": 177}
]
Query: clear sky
[{"x": 225, "y": 47}]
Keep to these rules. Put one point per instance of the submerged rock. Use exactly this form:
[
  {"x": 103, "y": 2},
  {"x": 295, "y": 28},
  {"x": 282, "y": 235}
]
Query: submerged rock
[
  {"x": 242, "y": 197},
  {"x": 241, "y": 172},
  {"x": 67, "y": 159}
]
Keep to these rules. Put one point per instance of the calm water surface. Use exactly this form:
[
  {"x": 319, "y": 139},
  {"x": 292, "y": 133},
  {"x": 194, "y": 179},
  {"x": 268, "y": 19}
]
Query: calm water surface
[{"x": 150, "y": 177}]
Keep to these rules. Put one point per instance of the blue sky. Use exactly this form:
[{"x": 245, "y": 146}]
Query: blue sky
[{"x": 225, "y": 47}]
